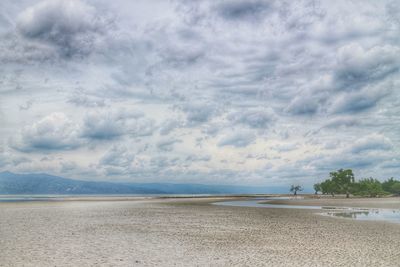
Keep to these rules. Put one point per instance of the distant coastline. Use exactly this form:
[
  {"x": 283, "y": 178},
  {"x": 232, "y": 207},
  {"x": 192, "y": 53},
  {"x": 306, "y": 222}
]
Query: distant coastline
[{"x": 45, "y": 184}]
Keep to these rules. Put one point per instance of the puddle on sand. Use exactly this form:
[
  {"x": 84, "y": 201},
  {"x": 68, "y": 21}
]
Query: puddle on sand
[
  {"x": 369, "y": 215},
  {"x": 342, "y": 212}
]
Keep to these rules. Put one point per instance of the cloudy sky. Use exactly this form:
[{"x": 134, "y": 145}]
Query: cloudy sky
[{"x": 222, "y": 92}]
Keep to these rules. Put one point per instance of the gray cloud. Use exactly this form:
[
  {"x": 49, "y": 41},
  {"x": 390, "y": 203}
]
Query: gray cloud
[
  {"x": 238, "y": 139},
  {"x": 117, "y": 156},
  {"x": 372, "y": 143},
  {"x": 358, "y": 66},
  {"x": 108, "y": 125},
  {"x": 335, "y": 162},
  {"x": 285, "y": 147},
  {"x": 58, "y": 132},
  {"x": 198, "y": 112},
  {"x": 169, "y": 125},
  {"x": 73, "y": 27},
  {"x": 79, "y": 98},
  {"x": 254, "y": 118},
  {"x": 3, "y": 159},
  {"x": 27, "y": 106},
  {"x": 104, "y": 125},
  {"x": 14, "y": 49},
  {"x": 217, "y": 75},
  {"x": 167, "y": 144},
  {"x": 243, "y": 10},
  {"x": 67, "y": 167},
  {"x": 53, "y": 132},
  {"x": 303, "y": 105},
  {"x": 391, "y": 164},
  {"x": 360, "y": 100},
  {"x": 196, "y": 158},
  {"x": 340, "y": 122}
]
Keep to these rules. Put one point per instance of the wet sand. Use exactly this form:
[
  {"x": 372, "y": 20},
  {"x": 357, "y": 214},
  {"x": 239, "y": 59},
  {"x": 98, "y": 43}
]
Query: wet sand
[
  {"x": 191, "y": 232},
  {"x": 384, "y": 203}
]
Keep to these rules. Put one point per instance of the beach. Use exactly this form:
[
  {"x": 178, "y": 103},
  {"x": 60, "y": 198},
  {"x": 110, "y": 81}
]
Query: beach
[{"x": 192, "y": 232}]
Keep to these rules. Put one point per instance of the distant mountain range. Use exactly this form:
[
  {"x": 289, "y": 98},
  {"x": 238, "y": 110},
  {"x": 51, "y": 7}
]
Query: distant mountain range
[{"x": 11, "y": 183}]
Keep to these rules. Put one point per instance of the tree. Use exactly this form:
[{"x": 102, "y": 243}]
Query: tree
[
  {"x": 391, "y": 186},
  {"x": 387, "y": 185},
  {"x": 343, "y": 180},
  {"x": 324, "y": 187},
  {"x": 295, "y": 189},
  {"x": 328, "y": 187},
  {"x": 317, "y": 188},
  {"x": 368, "y": 187},
  {"x": 395, "y": 189}
]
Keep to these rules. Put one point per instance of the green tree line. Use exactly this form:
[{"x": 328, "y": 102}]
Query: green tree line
[{"x": 343, "y": 182}]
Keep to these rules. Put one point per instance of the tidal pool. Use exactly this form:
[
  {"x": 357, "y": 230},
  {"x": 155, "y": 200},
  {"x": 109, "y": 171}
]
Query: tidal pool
[
  {"x": 391, "y": 215},
  {"x": 369, "y": 215}
]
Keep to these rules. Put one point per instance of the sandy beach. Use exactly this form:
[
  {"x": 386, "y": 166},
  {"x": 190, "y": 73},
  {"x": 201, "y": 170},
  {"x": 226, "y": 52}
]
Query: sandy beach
[{"x": 191, "y": 232}]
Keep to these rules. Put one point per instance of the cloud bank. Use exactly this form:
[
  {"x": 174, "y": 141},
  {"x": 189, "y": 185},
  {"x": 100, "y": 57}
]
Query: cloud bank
[{"x": 233, "y": 92}]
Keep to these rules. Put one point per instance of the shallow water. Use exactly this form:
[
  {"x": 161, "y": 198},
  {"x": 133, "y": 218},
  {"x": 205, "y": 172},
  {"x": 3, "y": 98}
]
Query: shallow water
[
  {"x": 258, "y": 203},
  {"x": 369, "y": 215},
  {"x": 342, "y": 212}
]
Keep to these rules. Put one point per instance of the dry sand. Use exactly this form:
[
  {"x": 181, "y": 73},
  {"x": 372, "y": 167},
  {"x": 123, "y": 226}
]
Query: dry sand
[{"x": 190, "y": 232}]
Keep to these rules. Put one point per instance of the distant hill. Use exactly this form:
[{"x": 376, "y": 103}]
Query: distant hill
[{"x": 11, "y": 183}]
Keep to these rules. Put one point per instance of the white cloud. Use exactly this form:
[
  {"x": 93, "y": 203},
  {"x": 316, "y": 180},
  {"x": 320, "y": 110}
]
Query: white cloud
[{"x": 53, "y": 132}]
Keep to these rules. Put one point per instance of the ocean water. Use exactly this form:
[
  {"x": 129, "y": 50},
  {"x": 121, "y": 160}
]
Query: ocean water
[{"x": 25, "y": 198}]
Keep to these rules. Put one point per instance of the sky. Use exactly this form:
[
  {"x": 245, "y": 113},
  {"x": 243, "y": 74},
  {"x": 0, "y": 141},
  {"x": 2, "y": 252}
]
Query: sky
[{"x": 242, "y": 92}]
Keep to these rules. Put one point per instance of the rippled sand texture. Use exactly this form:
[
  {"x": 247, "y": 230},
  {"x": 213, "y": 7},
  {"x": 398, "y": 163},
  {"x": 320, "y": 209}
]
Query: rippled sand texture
[{"x": 187, "y": 233}]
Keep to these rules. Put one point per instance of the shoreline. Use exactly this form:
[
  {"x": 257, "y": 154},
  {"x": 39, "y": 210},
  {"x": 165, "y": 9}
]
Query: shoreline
[{"x": 304, "y": 199}]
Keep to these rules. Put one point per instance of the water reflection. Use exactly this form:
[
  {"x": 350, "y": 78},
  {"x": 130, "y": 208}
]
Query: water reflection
[
  {"x": 352, "y": 215},
  {"x": 343, "y": 212},
  {"x": 373, "y": 214}
]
